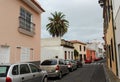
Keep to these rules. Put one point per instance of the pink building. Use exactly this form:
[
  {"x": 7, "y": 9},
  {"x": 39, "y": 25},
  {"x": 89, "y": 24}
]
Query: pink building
[
  {"x": 20, "y": 23},
  {"x": 90, "y": 55}
]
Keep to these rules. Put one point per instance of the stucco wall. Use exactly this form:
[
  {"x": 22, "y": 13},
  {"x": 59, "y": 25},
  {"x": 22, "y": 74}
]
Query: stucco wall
[
  {"x": 82, "y": 52},
  {"x": 9, "y": 35},
  {"x": 51, "y": 47},
  {"x": 51, "y": 41},
  {"x": 117, "y": 33},
  {"x": 116, "y": 5},
  {"x": 109, "y": 37}
]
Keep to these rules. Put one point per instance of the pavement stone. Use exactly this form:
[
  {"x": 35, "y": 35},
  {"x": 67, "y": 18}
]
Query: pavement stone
[
  {"x": 98, "y": 75},
  {"x": 110, "y": 77}
]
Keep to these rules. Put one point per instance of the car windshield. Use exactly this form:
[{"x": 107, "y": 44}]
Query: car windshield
[
  {"x": 67, "y": 61},
  {"x": 3, "y": 71},
  {"x": 49, "y": 62}
]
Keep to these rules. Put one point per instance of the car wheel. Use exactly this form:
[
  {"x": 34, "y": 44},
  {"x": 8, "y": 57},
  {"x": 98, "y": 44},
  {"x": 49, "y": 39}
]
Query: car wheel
[
  {"x": 60, "y": 75},
  {"x": 45, "y": 79}
]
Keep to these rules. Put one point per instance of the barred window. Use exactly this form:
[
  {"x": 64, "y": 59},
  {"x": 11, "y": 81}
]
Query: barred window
[{"x": 26, "y": 20}]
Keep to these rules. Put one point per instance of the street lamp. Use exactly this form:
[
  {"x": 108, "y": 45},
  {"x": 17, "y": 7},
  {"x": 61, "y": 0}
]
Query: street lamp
[{"x": 101, "y": 2}]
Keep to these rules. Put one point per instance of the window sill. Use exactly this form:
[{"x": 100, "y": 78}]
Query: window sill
[{"x": 23, "y": 31}]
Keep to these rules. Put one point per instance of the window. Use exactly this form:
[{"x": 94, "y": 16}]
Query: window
[
  {"x": 4, "y": 54},
  {"x": 34, "y": 68},
  {"x": 15, "y": 70},
  {"x": 61, "y": 62},
  {"x": 25, "y": 54},
  {"x": 112, "y": 50},
  {"x": 24, "y": 69},
  {"x": 49, "y": 62},
  {"x": 100, "y": 50},
  {"x": 81, "y": 57},
  {"x": 110, "y": 56},
  {"x": 119, "y": 52},
  {"x": 71, "y": 55},
  {"x": 68, "y": 54},
  {"x": 107, "y": 51},
  {"x": 65, "y": 54},
  {"x": 25, "y": 20},
  {"x": 3, "y": 71},
  {"x": 80, "y": 47},
  {"x": 84, "y": 56},
  {"x": 84, "y": 48}
]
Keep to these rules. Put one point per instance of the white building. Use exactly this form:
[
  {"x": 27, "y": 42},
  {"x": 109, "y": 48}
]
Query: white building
[
  {"x": 56, "y": 47},
  {"x": 97, "y": 46},
  {"x": 116, "y": 15}
]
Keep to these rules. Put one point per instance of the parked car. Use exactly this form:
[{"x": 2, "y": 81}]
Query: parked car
[
  {"x": 97, "y": 59},
  {"x": 72, "y": 65},
  {"x": 79, "y": 63},
  {"x": 55, "y": 67},
  {"x": 88, "y": 61},
  {"x": 22, "y": 72}
]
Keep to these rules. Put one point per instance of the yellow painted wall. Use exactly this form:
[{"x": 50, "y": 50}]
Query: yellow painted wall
[{"x": 109, "y": 36}]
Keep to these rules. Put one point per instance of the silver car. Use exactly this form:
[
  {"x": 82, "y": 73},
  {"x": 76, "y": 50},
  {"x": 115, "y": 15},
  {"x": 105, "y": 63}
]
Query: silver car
[
  {"x": 72, "y": 65},
  {"x": 55, "y": 67},
  {"x": 22, "y": 72}
]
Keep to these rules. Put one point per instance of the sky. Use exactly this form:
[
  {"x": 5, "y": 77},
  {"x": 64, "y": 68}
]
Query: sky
[{"x": 84, "y": 16}]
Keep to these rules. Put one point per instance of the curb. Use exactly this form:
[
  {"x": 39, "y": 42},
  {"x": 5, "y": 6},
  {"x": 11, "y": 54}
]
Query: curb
[
  {"x": 106, "y": 74},
  {"x": 110, "y": 77}
]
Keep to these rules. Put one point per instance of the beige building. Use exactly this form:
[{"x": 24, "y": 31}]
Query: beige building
[
  {"x": 81, "y": 48},
  {"x": 20, "y": 23}
]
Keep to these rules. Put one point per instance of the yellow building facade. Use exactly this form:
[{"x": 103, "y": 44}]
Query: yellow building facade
[
  {"x": 81, "y": 49},
  {"x": 109, "y": 36}
]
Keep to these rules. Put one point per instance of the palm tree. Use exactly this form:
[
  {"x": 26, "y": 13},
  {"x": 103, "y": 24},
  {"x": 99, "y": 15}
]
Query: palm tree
[{"x": 58, "y": 25}]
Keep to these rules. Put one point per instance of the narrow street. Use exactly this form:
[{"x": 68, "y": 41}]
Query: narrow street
[{"x": 88, "y": 73}]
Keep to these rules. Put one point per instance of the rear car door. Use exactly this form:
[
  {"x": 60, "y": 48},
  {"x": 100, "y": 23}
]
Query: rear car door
[
  {"x": 25, "y": 74},
  {"x": 15, "y": 73},
  {"x": 65, "y": 67},
  {"x": 62, "y": 66},
  {"x": 36, "y": 73}
]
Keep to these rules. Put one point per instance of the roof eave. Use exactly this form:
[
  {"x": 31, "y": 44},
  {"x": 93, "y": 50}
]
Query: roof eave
[{"x": 34, "y": 5}]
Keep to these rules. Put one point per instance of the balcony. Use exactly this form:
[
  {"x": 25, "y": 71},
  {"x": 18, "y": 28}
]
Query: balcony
[
  {"x": 66, "y": 44},
  {"x": 26, "y": 27}
]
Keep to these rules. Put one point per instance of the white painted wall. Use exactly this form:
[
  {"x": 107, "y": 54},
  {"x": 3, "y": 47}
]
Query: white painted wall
[
  {"x": 117, "y": 31},
  {"x": 50, "y": 52},
  {"x": 96, "y": 45},
  {"x": 51, "y": 41},
  {"x": 51, "y": 47},
  {"x": 116, "y": 13},
  {"x": 116, "y": 5},
  {"x": 68, "y": 50}
]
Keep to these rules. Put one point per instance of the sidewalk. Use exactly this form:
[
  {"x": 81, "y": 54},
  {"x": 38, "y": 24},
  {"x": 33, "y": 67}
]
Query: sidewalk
[{"x": 110, "y": 77}]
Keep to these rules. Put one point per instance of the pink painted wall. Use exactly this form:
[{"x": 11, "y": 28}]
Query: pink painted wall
[
  {"x": 9, "y": 35},
  {"x": 90, "y": 54}
]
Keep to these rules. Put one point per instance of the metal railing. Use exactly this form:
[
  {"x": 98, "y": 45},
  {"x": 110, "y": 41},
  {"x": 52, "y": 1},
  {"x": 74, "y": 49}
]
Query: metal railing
[{"x": 26, "y": 25}]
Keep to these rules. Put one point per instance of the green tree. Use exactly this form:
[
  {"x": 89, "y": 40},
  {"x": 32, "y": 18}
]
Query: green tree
[
  {"x": 76, "y": 53},
  {"x": 57, "y": 25}
]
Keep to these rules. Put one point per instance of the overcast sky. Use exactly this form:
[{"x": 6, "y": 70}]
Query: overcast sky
[{"x": 84, "y": 16}]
